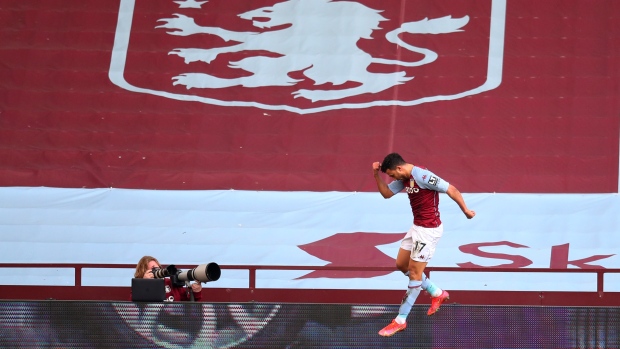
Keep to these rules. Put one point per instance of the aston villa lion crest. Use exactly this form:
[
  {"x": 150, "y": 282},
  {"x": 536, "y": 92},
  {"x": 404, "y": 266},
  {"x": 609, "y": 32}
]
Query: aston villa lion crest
[{"x": 308, "y": 56}]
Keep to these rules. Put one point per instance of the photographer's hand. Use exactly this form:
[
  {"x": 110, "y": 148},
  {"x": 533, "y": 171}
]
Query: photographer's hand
[
  {"x": 148, "y": 275},
  {"x": 196, "y": 287}
]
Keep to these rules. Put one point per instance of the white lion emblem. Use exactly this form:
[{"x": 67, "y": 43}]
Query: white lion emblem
[{"x": 313, "y": 40}]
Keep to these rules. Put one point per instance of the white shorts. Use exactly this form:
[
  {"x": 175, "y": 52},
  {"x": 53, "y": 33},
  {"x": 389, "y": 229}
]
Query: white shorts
[{"x": 422, "y": 242}]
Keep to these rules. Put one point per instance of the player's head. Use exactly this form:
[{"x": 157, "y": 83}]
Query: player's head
[
  {"x": 391, "y": 161},
  {"x": 393, "y": 165}
]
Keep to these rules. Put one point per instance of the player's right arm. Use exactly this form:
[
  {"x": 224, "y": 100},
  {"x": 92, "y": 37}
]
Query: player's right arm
[{"x": 383, "y": 187}]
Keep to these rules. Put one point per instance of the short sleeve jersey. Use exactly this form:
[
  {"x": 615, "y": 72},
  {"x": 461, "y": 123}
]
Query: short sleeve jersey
[{"x": 423, "y": 188}]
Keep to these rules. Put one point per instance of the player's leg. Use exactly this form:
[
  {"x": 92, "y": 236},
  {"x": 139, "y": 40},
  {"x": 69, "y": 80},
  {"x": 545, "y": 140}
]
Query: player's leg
[
  {"x": 416, "y": 270},
  {"x": 413, "y": 291},
  {"x": 402, "y": 264},
  {"x": 427, "y": 285},
  {"x": 430, "y": 287},
  {"x": 402, "y": 260},
  {"x": 417, "y": 248},
  {"x": 438, "y": 296},
  {"x": 404, "y": 252}
]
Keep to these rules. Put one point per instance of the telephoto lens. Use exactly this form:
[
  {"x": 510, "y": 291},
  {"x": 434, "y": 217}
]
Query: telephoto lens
[
  {"x": 203, "y": 273},
  {"x": 159, "y": 273}
]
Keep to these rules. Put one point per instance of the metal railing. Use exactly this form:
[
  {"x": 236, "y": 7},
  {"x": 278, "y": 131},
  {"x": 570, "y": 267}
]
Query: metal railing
[{"x": 252, "y": 269}]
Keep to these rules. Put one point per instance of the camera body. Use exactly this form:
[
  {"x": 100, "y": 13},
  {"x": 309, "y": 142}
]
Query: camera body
[
  {"x": 160, "y": 273},
  {"x": 174, "y": 279}
]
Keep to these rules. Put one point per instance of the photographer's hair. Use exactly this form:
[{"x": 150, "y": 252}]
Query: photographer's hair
[
  {"x": 391, "y": 161},
  {"x": 143, "y": 265}
]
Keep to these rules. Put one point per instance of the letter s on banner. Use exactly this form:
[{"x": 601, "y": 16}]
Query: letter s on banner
[{"x": 517, "y": 261}]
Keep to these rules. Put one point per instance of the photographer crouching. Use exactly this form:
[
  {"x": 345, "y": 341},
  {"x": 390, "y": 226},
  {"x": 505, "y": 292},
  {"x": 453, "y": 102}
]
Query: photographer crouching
[{"x": 149, "y": 267}]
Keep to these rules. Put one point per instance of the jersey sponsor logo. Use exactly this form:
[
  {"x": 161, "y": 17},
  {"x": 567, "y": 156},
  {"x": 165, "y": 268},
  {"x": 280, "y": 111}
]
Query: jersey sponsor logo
[
  {"x": 411, "y": 188},
  {"x": 307, "y": 56}
]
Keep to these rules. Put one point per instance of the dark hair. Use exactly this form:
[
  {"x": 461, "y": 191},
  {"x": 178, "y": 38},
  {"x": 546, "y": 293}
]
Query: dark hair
[{"x": 391, "y": 161}]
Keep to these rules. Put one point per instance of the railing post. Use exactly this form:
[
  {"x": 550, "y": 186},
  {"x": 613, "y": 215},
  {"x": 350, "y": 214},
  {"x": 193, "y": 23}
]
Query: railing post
[
  {"x": 78, "y": 276},
  {"x": 252, "y": 277}
]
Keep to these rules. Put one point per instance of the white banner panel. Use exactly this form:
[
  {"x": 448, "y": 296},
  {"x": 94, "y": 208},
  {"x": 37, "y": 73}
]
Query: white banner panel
[{"x": 117, "y": 226}]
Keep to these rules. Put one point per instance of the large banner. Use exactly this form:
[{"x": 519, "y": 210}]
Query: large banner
[
  {"x": 243, "y": 132},
  {"x": 303, "y": 95},
  {"x": 116, "y": 226}
]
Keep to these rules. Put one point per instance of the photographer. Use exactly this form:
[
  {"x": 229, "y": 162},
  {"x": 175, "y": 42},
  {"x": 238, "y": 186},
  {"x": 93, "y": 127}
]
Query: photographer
[{"x": 144, "y": 270}]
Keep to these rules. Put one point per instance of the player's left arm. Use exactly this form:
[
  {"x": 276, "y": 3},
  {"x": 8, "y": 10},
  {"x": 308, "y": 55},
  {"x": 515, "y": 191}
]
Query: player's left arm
[
  {"x": 455, "y": 195},
  {"x": 428, "y": 180}
]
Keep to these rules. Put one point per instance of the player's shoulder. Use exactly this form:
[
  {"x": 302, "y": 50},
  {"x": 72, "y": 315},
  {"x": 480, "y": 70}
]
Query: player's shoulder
[
  {"x": 423, "y": 175},
  {"x": 418, "y": 170}
]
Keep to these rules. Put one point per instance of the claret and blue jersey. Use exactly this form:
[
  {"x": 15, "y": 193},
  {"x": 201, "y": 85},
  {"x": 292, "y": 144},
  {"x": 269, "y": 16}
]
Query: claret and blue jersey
[{"x": 423, "y": 188}]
